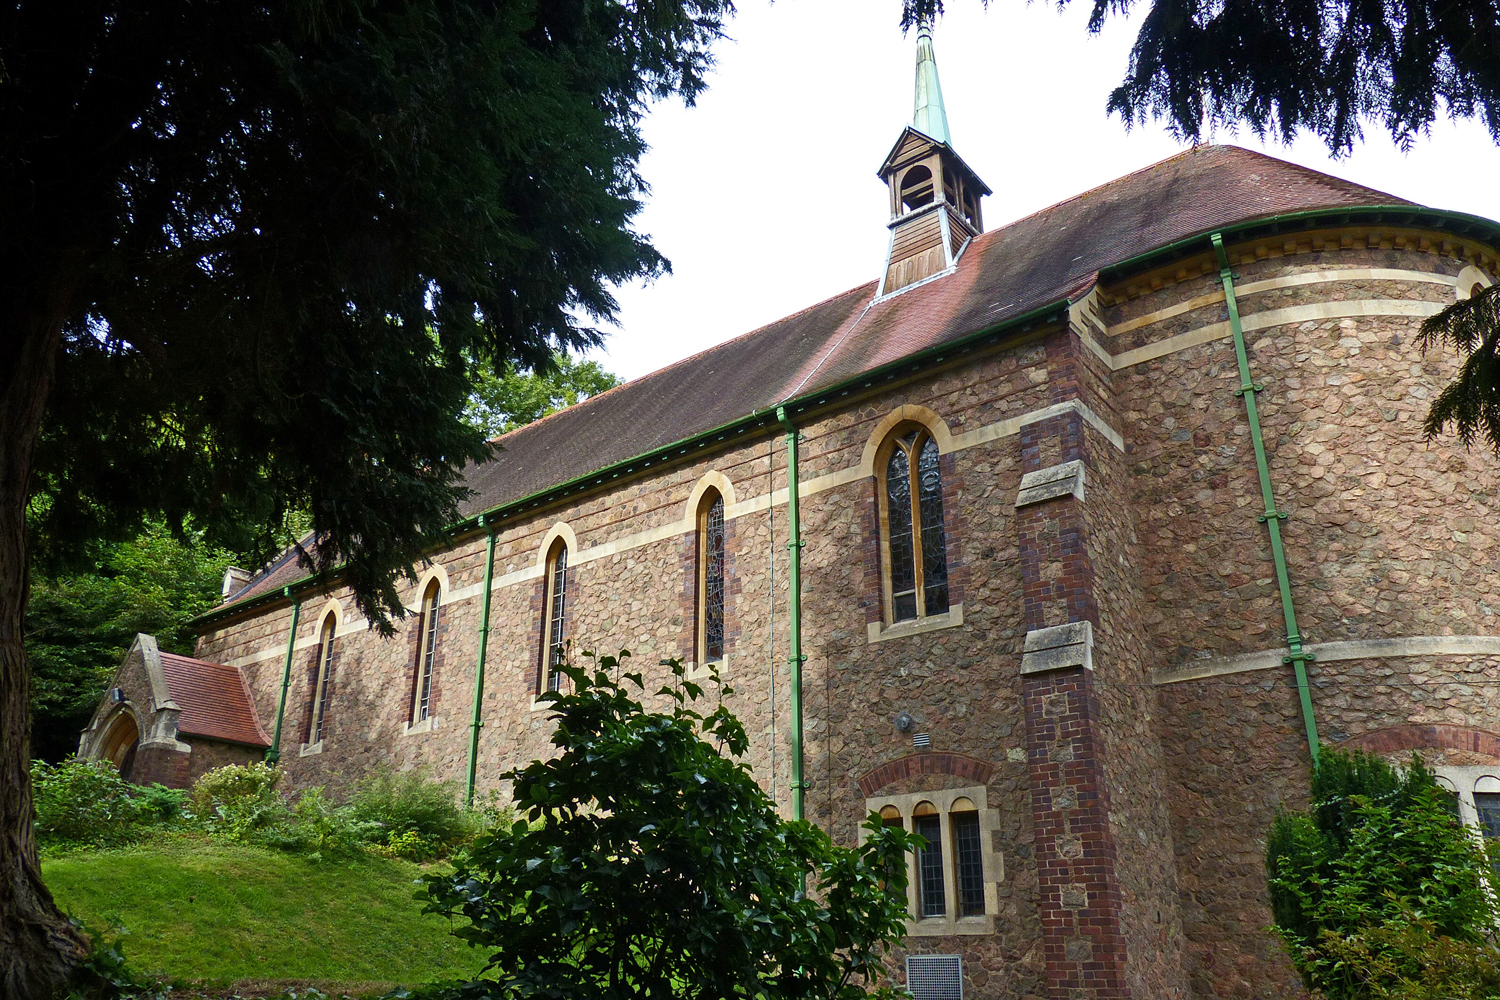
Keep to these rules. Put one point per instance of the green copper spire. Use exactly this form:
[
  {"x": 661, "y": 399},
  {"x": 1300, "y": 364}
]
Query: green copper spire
[{"x": 929, "y": 118}]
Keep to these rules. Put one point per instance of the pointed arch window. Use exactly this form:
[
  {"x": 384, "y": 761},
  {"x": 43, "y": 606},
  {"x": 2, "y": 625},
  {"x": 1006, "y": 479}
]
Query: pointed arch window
[
  {"x": 421, "y": 707},
  {"x": 320, "y": 684},
  {"x": 916, "y": 547},
  {"x": 710, "y": 640},
  {"x": 555, "y": 620}
]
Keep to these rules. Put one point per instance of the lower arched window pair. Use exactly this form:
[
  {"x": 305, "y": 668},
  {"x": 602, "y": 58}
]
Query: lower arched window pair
[{"x": 949, "y": 871}]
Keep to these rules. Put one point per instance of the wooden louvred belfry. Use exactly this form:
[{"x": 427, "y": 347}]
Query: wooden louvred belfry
[{"x": 934, "y": 194}]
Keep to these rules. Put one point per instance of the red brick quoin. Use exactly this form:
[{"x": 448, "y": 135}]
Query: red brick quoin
[{"x": 925, "y": 763}]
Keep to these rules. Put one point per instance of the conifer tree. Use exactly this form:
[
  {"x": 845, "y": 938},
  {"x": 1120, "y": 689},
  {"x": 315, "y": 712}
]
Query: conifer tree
[{"x": 251, "y": 253}]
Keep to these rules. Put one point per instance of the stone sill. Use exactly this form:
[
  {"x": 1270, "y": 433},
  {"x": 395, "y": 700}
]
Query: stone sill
[
  {"x": 311, "y": 749},
  {"x": 427, "y": 725},
  {"x": 945, "y": 927},
  {"x": 879, "y": 631}
]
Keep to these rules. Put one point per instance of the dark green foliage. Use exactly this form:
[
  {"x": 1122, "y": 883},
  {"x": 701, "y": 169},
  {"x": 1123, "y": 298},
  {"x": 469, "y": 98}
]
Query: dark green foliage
[
  {"x": 1380, "y": 860},
  {"x": 86, "y": 802},
  {"x": 503, "y": 402},
  {"x": 410, "y": 805},
  {"x": 1471, "y": 403},
  {"x": 651, "y": 865},
  {"x": 1288, "y": 66},
  {"x": 280, "y": 237},
  {"x": 79, "y": 626}
]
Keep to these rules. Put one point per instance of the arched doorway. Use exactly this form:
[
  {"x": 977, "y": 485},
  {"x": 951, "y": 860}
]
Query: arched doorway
[{"x": 120, "y": 742}]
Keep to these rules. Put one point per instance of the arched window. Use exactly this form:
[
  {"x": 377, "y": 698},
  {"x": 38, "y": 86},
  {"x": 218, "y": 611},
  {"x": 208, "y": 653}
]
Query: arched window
[
  {"x": 968, "y": 857},
  {"x": 916, "y": 550},
  {"x": 710, "y": 640},
  {"x": 949, "y": 879},
  {"x": 927, "y": 823},
  {"x": 421, "y": 707},
  {"x": 555, "y": 619},
  {"x": 320, "y": 685}
]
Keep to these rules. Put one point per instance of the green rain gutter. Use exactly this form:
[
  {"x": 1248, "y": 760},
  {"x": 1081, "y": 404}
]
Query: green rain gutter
[
  {"x": 1272, "y": 518},
  {"x": 274, "y": 754},
  {"x": 794, "y": 602},
  {"x": 484, "y": 641}
]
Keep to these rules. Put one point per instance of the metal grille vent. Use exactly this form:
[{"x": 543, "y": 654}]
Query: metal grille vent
[
  {"x": 922, "y": 740},
  {"x": 935, "y": 977}
]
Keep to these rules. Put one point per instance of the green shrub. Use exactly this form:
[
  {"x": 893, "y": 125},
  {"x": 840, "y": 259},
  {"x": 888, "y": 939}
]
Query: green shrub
[
  {"x": 158, "y": 803},
  {"x": 84, "y": 802},
  {"x": 403, "y": 802},
  {"x": 239, "y": 801},
  {"x": 1378, "y": 887}
]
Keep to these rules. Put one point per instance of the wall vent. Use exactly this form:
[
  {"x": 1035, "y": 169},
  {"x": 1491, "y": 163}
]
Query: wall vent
[
  {"x": 935, "y": 977},
  {"x": 922, "y": 740}
]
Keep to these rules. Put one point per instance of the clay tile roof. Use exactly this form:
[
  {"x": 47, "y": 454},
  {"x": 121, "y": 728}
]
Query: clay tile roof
[
  {"x": 214, "y": 699},
  {"x": 1054, "y": 254}
]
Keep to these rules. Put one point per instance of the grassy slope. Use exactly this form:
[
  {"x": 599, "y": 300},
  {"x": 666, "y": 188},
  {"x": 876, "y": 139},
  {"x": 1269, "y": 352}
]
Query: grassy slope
[{"x": 194, "y": 909}]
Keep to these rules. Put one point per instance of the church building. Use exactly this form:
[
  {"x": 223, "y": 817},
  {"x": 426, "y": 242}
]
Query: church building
[{"x": 1065, "y": 544}]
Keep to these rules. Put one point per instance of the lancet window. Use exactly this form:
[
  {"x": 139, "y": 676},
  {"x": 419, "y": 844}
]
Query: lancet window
[
  {"x": 421, "y": 709},
  {"x": 711, "y": 578},
  {"x": 555, "y": 621},
  {"x": 916, "y": 552},
  {"x": 320, "y": 684}
]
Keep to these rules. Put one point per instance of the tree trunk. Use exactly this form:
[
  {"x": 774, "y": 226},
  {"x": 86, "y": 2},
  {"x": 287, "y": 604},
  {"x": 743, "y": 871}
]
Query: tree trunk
[{"x": 39, "y": 950}]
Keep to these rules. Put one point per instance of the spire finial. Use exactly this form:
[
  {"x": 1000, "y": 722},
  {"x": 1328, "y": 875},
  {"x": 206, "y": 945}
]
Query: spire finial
[{"x": 929, "y": 117}]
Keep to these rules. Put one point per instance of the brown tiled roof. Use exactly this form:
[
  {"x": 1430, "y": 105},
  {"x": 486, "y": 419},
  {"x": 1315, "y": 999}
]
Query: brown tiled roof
[
  {"x": 214, "y": 699},
  {"x": 1005, "y": 273}
]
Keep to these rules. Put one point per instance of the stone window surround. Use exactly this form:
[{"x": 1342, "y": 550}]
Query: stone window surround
[
  {"x": 409, "y": 728},
  {"x": 994, "y": 862},
  {"x": 887, "y": 434},
  {"x": 1464, "y": 782}
]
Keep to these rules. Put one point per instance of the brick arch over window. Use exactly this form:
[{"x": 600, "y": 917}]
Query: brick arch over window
[
  {"x": 1433, "y": 736},
  {"x": 914, "y": 765}
]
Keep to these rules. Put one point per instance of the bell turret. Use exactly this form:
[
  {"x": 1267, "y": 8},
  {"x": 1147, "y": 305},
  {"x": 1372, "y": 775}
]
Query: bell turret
[{"x": 934, "y": 194}]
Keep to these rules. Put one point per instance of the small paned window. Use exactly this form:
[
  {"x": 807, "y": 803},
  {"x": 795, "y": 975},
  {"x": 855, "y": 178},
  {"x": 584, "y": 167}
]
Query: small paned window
[
  {"x": 890, "y": 816},
  {"x": 320, "y": 687},
  {"x": 554, "y": 638},
  {"x": 916, "y": 545},
  {"x": 1487, "y": 805},
  {"x": 968, "y": 858},
  {"x": 930, "y": 895},
  {"x": 711, "y": 578},
  {"x": 421, "y": 709}
]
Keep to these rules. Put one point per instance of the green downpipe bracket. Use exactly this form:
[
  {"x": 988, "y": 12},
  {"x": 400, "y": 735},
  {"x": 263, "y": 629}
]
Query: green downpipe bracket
[
  {"x": 794, "y": 601},
  {"x": 484, "y": 638},
  {"x": 274, "y": 754},
  {"x": 1272, "y": 518}
]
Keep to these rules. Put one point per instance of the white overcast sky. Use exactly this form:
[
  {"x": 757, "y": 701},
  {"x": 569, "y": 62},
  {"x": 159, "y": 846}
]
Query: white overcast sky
[{"x": 764, "y": 194}]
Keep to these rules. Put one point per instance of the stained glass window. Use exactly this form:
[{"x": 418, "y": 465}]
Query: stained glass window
[
  {"x": 422, "y": 708},
  {"x": 557, "y": 619},
  {"x": 320, "y": 688},
  {"x": 916, "y": 544},
  {"x": 903, "y": 564},
  {"x": 711, "y": 558},
  {"x": 930, "y": 866},
  {"x": 968, "y": 863}
]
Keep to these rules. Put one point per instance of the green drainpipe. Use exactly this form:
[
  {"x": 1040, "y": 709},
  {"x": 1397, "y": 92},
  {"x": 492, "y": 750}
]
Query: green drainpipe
[
  {"x": 794, "y": 600},
  {"x": 1272, "y": 518},
  {"x": 484, "y": 638},
  {"x": 274, "y": 754}
]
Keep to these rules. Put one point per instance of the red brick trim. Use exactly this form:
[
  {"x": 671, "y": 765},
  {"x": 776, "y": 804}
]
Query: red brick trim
[
  {"x": 916, "y": 764},
  {"x": 1418, "y": 737}
]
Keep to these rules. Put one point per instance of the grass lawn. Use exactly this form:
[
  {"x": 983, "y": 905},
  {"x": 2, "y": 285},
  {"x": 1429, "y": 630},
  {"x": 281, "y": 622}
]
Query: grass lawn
[{"x": 191, "y": 908}]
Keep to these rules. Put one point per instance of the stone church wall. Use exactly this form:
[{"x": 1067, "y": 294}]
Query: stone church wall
[
  {"x": 1125, "y": 804},
  {"x": 1389, "y": 537}
]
